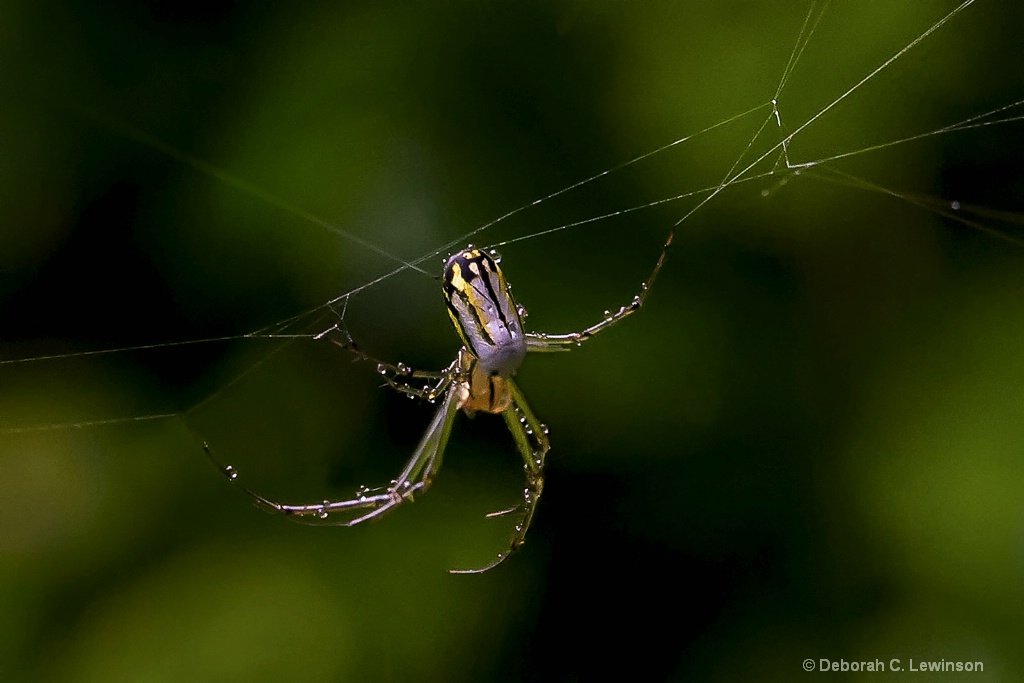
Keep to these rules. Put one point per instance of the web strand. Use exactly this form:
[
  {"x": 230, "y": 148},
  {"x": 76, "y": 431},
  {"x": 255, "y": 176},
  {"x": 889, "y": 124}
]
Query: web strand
[{"x": 741, "y": 171}]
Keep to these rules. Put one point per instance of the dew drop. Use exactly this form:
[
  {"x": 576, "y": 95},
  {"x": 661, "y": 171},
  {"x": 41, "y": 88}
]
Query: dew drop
[
  {"x": 382, "y": 369},
  {"x": 543, "y": 428},
  {"x": 955, "y": 205},
  {"x": 230, "y": 472},
  {"x": 403, "y": 369},
  {"x": 608, "y": 315}
]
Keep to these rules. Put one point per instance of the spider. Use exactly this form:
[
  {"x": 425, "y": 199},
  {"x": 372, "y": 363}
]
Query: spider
[{"x": 480, "y": 379}]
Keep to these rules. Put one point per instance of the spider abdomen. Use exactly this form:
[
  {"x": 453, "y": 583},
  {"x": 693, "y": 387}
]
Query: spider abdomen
[{"x": 483, "y": 311}]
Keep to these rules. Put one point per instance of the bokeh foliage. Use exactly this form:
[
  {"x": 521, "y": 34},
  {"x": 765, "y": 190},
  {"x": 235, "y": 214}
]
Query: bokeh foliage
[{"x": 808, "y": 445}]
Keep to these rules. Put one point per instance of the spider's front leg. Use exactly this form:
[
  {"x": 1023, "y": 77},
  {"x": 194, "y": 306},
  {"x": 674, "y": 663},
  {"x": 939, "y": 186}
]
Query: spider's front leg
[
  {"x": 415, "y": 477},
  {"x": 531, "y": 437}
]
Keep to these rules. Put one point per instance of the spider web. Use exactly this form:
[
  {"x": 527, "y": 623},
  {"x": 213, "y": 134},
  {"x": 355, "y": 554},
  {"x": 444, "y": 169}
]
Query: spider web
[{"x": 803, "y": 133}]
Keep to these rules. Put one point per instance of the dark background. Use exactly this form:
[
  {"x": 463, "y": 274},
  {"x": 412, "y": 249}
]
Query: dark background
[{"x": 808, "y": 445}]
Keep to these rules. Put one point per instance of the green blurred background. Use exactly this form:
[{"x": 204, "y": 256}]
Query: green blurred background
[{"x": 808, "y": 445}]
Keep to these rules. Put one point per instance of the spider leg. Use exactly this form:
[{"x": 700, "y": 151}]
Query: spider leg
[
  {"x": 398, "y": 376},
  {"x": 415, "y": 477},
  {"x": 531, "y": 437},
  {"x": 539, "y": 341}
]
